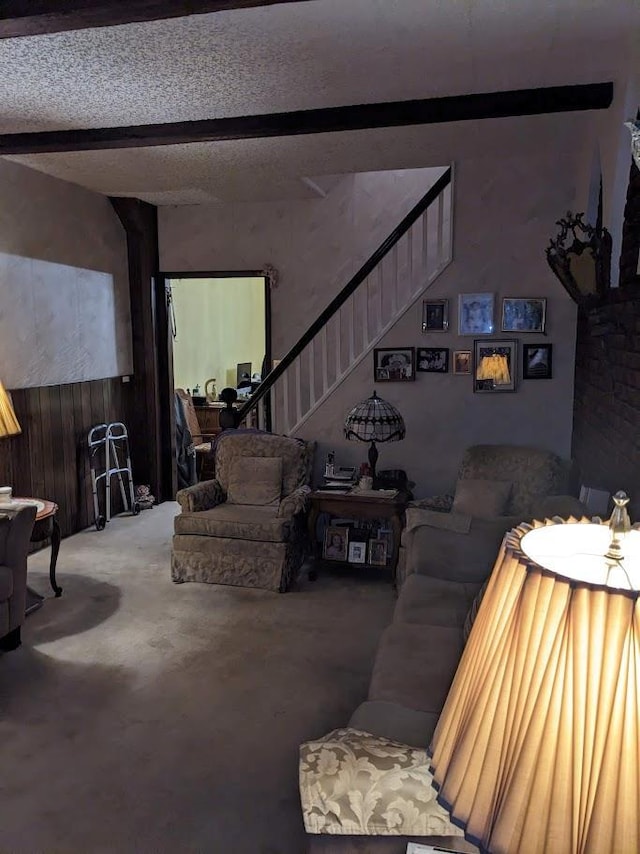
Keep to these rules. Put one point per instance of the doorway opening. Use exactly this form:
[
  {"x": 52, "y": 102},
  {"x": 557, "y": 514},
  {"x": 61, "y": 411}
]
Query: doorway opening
[{"x": 218, "y": 337}]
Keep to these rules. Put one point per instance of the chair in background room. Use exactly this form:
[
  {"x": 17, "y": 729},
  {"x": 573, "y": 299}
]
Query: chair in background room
[
  {"x": 15, "y": 535},
  {"x": 201, "y": 441},
  {"x": 246, "y": 527}
]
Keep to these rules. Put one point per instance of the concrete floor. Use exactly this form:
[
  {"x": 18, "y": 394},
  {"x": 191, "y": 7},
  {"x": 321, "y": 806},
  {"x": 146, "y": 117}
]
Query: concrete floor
[{"x": 144, "y": 716}]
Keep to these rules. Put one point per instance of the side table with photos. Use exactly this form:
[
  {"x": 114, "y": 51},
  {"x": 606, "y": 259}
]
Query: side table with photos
[{"x": 364, "y": 530}]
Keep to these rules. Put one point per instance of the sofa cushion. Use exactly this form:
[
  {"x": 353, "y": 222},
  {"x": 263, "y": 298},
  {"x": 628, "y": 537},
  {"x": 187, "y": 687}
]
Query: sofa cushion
[
  {"x": 484, "y": 499},
  {"x": 415, "y": 665},
  {"x": 534, "y": 472},
  {"x": 391, "y": 720},
  {"x": 255, "y": 481},
  {"x": 6, "y": 583},
  {"x": 434, "y": 601},
  {"x": 237, "y": 522},
  {"x": 353, "y": 782},
  {"x": 456, "y": 557}
]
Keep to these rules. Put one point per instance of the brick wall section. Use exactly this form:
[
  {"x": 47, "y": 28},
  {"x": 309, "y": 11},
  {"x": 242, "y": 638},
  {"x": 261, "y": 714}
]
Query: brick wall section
[
  {"x": 606, "y": 429},
  {"x": 631, "y": 231}
]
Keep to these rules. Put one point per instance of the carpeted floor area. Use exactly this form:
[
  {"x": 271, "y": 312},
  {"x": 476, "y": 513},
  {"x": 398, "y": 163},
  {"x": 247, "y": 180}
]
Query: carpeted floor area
[{"x": 144, "y": 716}]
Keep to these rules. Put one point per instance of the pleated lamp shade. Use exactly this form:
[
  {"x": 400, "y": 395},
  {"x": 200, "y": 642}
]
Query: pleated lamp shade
[
  {"x": 537, "y": 749},
  {"x": 9, "y": 425}
]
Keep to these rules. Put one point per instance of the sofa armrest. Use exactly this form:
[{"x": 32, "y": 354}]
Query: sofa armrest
[
  {"x": 295, "y": 502},
  {"x": 440, "y": 503},
  {"x": 201, "y": 496}
]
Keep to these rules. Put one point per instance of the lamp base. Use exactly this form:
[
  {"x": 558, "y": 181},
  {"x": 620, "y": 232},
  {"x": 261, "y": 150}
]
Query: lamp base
[{"x": 373, "y": 459}]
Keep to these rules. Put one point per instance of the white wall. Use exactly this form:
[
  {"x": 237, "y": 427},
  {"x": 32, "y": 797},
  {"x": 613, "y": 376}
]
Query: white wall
[
  {"x": 220, "y": 322},
  {"x": 64, "y": 292},
  {"x": 504, "y": 214},
  {"x": 315, "y": 245}
]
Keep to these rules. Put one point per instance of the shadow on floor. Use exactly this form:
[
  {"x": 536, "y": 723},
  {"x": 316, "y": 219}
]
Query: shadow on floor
[{"x": 85, "y": 603}]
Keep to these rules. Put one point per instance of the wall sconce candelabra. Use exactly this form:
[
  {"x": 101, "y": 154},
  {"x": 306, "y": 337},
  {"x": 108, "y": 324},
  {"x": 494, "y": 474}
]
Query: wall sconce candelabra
[{"x": 580, "y": 256}]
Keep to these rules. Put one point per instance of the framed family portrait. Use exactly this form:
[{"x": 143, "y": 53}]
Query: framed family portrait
[
  {"x": 377, "y": 552},
  {"x": 394, "y": 364},
  {"x": 475, "y": 314},
  {"x": 537, "y": 361},
  {"x": 336, "y": 543},
  {"x": 433, "y": 359},
  {"x": 462, "y": 361},
  {"x": 435, "y": 315},
  {"x": 357, "y": 552},
  {"x": 495, "y": 365},
  {"x": 524, "y": 315}
]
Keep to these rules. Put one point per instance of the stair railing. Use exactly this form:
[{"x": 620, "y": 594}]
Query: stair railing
[{"x": 416, "y": 252}]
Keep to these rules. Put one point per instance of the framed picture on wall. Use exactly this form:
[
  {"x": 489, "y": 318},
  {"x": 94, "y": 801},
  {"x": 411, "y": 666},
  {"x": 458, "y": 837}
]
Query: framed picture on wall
[
  {"x": 475, "y": 314},
  {"x": 495, "y": 365},
  {"x": 394, "y": 364},
  {"x": 462, "y": 361},
  {"x": 433, "y": 360},
  {"x": 435, "y": 315},
  {"x": 537, "y": 361},
  {"x": 524, "y": 315}
]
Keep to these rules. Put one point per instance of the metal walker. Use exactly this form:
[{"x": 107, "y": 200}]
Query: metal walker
[{"x": 109, "y": 443}]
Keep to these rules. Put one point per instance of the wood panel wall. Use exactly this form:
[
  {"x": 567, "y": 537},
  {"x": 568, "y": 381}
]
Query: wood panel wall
[{"x": 50, "y": 458}]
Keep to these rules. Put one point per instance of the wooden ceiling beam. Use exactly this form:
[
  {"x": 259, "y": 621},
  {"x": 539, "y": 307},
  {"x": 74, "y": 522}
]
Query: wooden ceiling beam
[
  {"x": 20, "y": 18},
  {"x": 489, "y": 105}
]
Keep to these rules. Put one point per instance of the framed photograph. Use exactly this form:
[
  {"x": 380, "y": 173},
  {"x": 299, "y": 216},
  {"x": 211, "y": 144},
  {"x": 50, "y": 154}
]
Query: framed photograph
[
  {"x": 357, "y": 552},
  {"x": 378, "y": 552},
  {"x": 462, "y": 361},
  {"x": 495, "y": 365},
  {"x": 435, "y": 315},
  {"x": 336, "y": 541},
  {"x": 433, "y": 359},
  {"x": 475, "y": 314},
  {"x": 537, "y": 361},
  {"x": 523, "y": 315},
  {"x": 394, "y": 364}
]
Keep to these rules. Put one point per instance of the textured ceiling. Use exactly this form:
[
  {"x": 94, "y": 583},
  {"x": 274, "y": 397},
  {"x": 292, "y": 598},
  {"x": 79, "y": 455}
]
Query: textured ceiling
[{"x": 290, "y": 57}]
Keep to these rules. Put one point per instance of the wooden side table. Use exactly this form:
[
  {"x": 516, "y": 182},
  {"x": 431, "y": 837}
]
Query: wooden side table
[
  {"x": 46, "y": 527},
  {"x": 352, "y": 505}
]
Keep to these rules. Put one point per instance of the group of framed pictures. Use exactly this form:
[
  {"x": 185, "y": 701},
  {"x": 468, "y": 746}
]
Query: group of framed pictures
[
  {"x": 347, "y": 544},
  {"x": 493, "y": 362},
  {"x": 476, "y": 314}
]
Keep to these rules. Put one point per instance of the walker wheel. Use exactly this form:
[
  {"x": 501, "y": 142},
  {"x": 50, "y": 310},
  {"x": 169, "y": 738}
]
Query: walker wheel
[
  {"x": 136, "y": 508},
  {"x": 100, "y": 523}
]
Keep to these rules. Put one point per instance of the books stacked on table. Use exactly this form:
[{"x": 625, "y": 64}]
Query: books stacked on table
[{"x": 342, "y": 480}]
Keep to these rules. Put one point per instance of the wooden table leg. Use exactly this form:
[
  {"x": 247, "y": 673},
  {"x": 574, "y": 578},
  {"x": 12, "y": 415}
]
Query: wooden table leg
[
  {"x": 396, "y": 527},
  {"x": 55, "y": 548},
  {"x": 313, "y": 520}
]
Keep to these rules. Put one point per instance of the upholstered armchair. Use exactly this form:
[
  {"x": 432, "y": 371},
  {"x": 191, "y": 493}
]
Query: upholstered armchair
[
  {"x": 15, "y": 535},
  {"x": 247, "y": 526},
  {"x": 457, "y": 536}
]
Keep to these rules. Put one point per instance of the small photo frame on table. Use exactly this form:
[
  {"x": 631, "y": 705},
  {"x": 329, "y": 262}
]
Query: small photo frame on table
[
  {"x": 495, "y": 365},
  {"x": 378, "y": 552},
  {"x": 475, "y": 314},
  {"x": 394, "y": 364},
  {"x": 435, "y": 315},
  {"x": 433, "y": 360},
  {"x": 537, "y": 361},
  {"x": 462, "y": 362},
  {"x": 336, "y": 542},
  {"x": 524, "y": 314},
  {"x": 357, "y": 552}
]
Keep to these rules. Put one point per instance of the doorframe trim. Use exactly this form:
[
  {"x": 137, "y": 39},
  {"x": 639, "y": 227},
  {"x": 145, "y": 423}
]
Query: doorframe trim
[{"x": 165, "y": 365}]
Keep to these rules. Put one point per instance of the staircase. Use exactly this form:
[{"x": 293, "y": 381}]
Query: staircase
[{"x": 355, "y": 321}]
